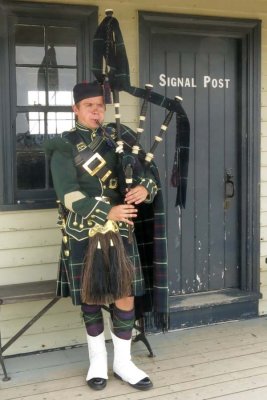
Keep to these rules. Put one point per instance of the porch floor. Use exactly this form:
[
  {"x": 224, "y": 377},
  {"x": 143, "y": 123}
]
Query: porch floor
[{"x": 226, "y": 361}]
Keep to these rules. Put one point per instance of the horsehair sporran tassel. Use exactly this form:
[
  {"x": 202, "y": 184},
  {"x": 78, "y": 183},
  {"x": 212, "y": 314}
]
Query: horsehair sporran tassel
[
  {"x": 94, "y": 276},
  {"x": 113, "y": 259},
  {"x": 121, "y": 269},
  {"x": 108, "y": 272}
]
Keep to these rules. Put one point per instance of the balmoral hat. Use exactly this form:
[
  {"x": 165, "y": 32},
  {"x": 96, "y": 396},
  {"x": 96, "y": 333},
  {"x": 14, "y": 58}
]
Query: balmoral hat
[{"x": 86, "y": 90}]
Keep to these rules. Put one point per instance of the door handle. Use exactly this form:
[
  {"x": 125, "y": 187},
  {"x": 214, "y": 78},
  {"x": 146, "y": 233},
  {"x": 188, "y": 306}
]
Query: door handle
[{"x": 229, "y": 185}]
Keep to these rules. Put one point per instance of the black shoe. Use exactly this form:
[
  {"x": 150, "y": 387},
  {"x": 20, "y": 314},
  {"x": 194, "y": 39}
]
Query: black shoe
[
  {"x": 97, "y": 383},
  {"x": 144, "y": 384}
]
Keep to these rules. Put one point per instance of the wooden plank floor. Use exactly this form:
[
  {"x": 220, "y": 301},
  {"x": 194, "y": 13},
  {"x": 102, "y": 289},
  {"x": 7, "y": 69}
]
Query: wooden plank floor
[{"x": 224, "y": 362}]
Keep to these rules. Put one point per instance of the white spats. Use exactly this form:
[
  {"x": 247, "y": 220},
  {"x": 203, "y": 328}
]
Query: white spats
[
  {"x": 122, "y": 364},
  {"x": 97, "y": 357}
]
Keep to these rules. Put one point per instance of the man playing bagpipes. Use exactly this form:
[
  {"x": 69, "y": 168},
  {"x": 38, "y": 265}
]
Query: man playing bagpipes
[
  {"x": 112, "y": 218},
  {"x": 98, "y": 265}
]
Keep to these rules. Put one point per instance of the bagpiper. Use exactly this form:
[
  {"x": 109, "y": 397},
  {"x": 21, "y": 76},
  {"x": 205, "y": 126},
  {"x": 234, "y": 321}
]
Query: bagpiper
[{"x": 98, "y": 264}]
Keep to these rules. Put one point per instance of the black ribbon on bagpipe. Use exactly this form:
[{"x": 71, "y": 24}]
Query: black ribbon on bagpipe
[{"x": 108, "y": 47}]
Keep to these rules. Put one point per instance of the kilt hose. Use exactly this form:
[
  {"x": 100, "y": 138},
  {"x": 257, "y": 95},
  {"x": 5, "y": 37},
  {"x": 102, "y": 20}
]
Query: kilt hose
[{"x": 71, "y": 269}]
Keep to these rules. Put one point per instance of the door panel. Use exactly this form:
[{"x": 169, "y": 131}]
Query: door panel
[{"x": 203, "y": 239}]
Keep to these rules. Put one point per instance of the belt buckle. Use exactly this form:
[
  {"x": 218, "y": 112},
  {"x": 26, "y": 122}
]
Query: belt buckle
[{"x": 98, "y": 167}]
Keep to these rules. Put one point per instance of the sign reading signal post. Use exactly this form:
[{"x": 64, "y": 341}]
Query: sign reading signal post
[{"x": 207, "y": 82}]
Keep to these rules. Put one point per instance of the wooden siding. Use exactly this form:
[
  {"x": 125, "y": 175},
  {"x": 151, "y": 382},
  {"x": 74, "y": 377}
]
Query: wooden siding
[
  {"x": 29, "y": 240},
  {"x": 29, "y": 246}
]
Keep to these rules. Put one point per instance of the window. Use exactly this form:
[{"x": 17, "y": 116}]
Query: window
[{"x": 47, "y": 50}]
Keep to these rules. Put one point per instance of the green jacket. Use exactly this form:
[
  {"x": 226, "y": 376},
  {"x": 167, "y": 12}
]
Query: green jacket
[{"x": 85, "y": 196}]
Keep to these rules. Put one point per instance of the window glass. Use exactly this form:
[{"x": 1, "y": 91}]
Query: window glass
[
  {"x": 30, "y": 170},
  {"x": 42, "y": 45},
  {"x": 30, "y": 156},
  {"x": 46, "y": 71},
  {"x": 64, "y": 42},
  {"x": 31, "y": 130},
  {"x": 58, "y": 122},
  {"x": 29, "y": 44},
  {"x": 60, "y": 85},
  {"x": 28, "y": 93},
  {"x": 29, "y": 124}
]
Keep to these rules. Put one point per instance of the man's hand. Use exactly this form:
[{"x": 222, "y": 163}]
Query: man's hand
[
  {"x": 136, "y": 195},
  {"x": 123, "y": 212}
]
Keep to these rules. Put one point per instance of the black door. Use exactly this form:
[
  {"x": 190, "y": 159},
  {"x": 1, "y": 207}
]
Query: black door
[
  {"x": 203, "y": 240},
  {"x": 209, "y": 242}
]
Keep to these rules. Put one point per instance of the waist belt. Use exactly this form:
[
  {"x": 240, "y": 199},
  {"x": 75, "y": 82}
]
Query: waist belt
[{"x": 86, "y": 157}]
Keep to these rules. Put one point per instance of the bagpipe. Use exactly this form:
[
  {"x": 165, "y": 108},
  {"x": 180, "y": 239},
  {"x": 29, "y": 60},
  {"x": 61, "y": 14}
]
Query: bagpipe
[
  {"x": 105, "y": 252},
  {"x": 111, "y": 69}
]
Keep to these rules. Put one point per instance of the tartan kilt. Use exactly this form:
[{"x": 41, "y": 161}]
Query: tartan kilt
[{"x": 71, "y": 268}]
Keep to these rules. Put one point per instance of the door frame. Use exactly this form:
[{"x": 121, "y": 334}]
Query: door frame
[{"x": 249, "y": 33}]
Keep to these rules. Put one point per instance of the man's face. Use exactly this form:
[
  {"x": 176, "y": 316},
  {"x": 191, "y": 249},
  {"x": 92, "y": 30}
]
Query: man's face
[{"x": 90, "y": 110}]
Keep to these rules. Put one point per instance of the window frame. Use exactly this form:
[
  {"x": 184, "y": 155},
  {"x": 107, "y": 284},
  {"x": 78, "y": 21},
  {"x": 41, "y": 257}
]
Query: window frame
[{"x": 85, "y": 18}]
